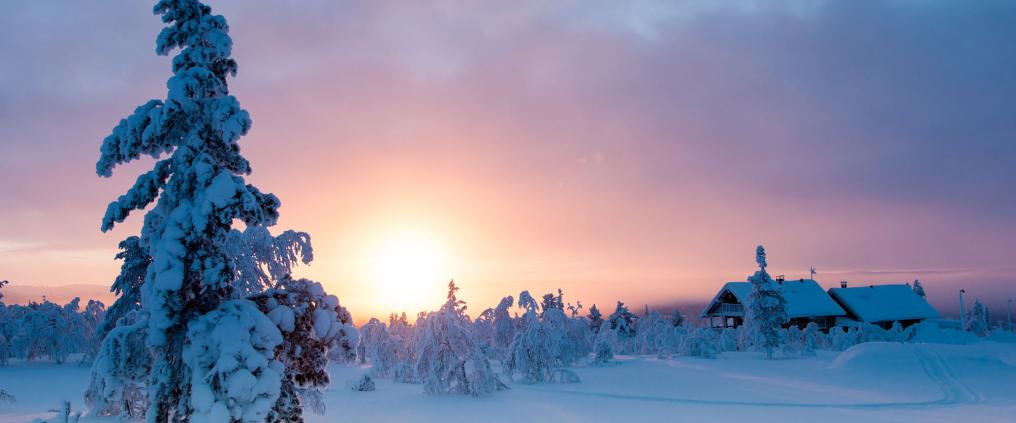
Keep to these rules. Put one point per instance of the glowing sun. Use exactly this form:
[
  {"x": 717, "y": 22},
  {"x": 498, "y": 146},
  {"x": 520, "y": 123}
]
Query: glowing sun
[{"x": 409, "y": 271}]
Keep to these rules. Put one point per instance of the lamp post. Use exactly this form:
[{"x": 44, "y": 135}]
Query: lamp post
[{"x": 963, "y": 314}]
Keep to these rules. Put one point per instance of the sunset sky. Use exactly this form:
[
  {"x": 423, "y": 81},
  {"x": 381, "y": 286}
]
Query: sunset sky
[{"x": 634, "y": 151}]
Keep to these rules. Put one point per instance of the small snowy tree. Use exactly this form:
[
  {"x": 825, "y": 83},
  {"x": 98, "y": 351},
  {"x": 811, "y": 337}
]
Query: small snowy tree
[
  {"x": 977, "y": 319},
  {"x": 701, "y": 342},
  {"x": 766, "y": 307},
  {"x": 677, "y": 319},
  {"x": 120, "y": 372},
  {"x": 531, "y": 356},
  {"x": 919, "y": 289},
  {"x": 622, "y": 322}
]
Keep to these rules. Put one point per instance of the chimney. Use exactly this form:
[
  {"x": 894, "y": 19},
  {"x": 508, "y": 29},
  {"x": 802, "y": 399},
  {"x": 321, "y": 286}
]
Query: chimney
[{"x": 843, "y": 284}]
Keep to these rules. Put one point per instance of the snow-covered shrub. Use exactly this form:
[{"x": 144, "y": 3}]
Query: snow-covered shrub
[
  {"x": 120, "y": 371},
  {"x": 727, "y": 340},
  {"x": 7, "y": 397},
  {"x": 812, "y": 339},
  {"x": 363, "y": 384},
  {"x": 447, "y": 358},
  {"x": 843, "y": 337},
  {"x": 63, "y": 415},
  {"x": 603, "y": 353},
  {"x": 234, "y": 373},
  {"x": 653, "y": 333},
  {"x": 700, "y": 342},
  {"x": 746, "y": 338},
  {"x": 871, "y": 333},
  {"x": 565, "y": 376},
  {"x": 766, "y": 311},
  {"x": 793, "y": 341},
  {"x": 977, "y": 319},
  {"x": 568, "y": 337}
]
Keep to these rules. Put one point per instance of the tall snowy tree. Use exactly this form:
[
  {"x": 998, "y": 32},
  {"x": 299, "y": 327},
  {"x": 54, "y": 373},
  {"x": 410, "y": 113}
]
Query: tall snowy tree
[
  {"x": 201, "y": 269},
  {"x": 766, "y": 306},
  {"x": 919, "y": 289}
]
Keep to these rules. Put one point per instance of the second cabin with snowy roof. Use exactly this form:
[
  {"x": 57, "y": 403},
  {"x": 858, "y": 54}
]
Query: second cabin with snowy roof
[{"x": 807, "y": 302}]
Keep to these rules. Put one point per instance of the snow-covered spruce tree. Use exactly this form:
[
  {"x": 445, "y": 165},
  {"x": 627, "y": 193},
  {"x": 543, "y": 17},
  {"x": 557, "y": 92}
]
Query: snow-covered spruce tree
[
  {"x": 919, "y": 289},
  {"x": 197, "y": 277},
  {"x": 677, "y": 319},
  {"x": 448, "y": 358},
  {"x": 622, "y": 323},
  {"x": 595, "y": 319},
  {"x": 977, "y": 319},
  {"x": 766, "y": 307}
]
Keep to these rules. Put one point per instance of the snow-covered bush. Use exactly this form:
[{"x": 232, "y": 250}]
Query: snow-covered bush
[
  {"x": 603, "y": 353},
  {"x": 701, "y": 342},
  {"x": 377, "y": 347},
  {"x": 622, "y": 323},
  {"x": 727, "y": 340},
  {"x": 364, "y": 384},
  {"x": 653, "y": 333}
]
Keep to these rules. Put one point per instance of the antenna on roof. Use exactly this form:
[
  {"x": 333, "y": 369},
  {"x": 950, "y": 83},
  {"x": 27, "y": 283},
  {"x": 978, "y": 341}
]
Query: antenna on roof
[{"x": 813, "y": 272}]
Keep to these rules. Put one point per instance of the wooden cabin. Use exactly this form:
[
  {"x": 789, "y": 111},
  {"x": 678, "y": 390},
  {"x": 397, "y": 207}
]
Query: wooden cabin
[
  {"x": 806, "y": 302},
  {"x": 882, "y": 305}
]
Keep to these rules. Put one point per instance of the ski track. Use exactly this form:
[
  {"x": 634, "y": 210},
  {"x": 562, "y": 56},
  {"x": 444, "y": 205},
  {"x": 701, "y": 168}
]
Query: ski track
[{"x": 935, "y": 367}]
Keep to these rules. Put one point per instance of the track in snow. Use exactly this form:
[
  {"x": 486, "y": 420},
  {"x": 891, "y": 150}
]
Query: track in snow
[{"x": 956, "y": 392}]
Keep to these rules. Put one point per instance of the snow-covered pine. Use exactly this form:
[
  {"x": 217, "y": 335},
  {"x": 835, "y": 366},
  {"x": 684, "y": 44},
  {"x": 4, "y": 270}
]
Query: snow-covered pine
[
  {"x": 199, "y": 264},
  {"x": 595, "y": 319},
  {"x": 448, "y": 360},
  {"x": 766, "y": 311},
  {"x": 919, "y": 289}
]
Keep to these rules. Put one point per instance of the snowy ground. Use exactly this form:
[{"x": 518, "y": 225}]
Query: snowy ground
[{"x": 875, "y": 382}]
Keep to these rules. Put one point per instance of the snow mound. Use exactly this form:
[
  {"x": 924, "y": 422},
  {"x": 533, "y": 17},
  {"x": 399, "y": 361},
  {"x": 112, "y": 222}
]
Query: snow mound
[{"x": 875, "y": 357}]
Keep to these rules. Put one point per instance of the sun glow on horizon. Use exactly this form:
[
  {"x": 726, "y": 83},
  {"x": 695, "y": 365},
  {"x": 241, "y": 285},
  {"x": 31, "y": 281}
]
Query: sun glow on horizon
[{"x": 409, "y": 270}]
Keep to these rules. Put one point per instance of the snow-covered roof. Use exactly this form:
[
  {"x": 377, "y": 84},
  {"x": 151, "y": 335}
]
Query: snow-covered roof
[
  {"x": 883, "y": 303},
  {"x": 805, "y": 298}
]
